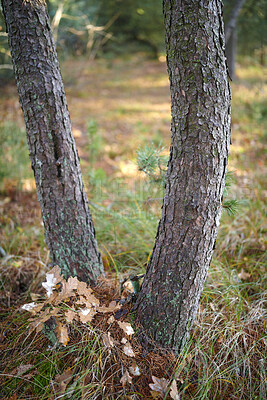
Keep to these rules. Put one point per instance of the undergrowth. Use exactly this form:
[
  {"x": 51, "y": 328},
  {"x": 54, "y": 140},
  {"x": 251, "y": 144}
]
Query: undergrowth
[{"x": 225, "y": 357}]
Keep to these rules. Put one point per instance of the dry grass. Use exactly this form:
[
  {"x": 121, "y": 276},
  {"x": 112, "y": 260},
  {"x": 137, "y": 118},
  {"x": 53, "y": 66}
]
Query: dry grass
[{"x": 225, "y": 357}]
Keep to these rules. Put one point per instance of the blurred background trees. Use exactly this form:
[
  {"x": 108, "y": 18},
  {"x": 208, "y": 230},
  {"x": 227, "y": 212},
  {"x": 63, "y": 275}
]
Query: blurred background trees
[{"x": 109, "y": 28}]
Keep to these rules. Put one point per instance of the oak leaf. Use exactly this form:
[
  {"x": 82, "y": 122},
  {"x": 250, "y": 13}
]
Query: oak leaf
[
  {"x": 70, "y": 315},
  {"x": 52, "y": 278},
  {"x": 160, "y": 385},
  {"x": 62, "y": 333},
  {"x": 128, "y": 350},
  {"x": 134, "y": 369},
  {"x": 83, "y": 290},
  {"x": 126, "y": 378},
  {"x": 37, "y": 323},
  {"x": 89, "y": 301},
  {"x": 64, "y": 379},
  {"x": 113, "y": 306},
  {"x": 67, "y": 289},
  {"x": 126, "y": 327},
  {"x": 86, "y": 314},
  {"x": 174, "y": 391},
  {"x": 108, "y": 340}
]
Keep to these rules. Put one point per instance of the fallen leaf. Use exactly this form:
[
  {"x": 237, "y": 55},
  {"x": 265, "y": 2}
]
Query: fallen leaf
[
  {"x": 174, "y": 391},
  {"x": 108, "y": 340},
  {"x": 89, "y": 301},
  {"x": 155, "y": 395},
  {"x": 111, "y": 319},
  {"x": 67, "y": 289},
  {"x": 29, "y": 306},
  {"x": 33, "y": 309},
  {"x": 52, "y": 278},
  {"x": 86, "y": 314},
  {"x": 113, "y": 306},
  {"x": 127, "y": 289},
  {"x": 243, "y": 275},
  {"x": 126, "y": 327},
  {"x": 70, "y": 315},
  {"x": 37, "y": 323},
  {"x": 127, "y": 349},
  {"x": 64, "y": 379},
  {"x": 134, "y": 369},
  {"x": 23, "y": 368},
  {"x": 50, "y": 284},
  {"x": 62, "y": 333},
  {"x": 83, "y": 290},
  {"x": 126, "y": 378},
  {"x": 56, "y": 271},
  {"x": 35, "y": 296},
  {"x": 160, "y": 385}
]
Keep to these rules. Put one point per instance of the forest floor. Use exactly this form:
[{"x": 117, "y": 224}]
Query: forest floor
[{"x": 117, "y": 108}]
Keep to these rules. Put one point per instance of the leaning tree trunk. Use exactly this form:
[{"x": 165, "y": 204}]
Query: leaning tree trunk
[
  {"x": 200, "y": 99},
  {"x": 68, "y": 225}
]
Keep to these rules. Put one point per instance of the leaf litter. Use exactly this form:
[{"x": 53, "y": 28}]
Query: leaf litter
[{"x": 73, "y": 302}]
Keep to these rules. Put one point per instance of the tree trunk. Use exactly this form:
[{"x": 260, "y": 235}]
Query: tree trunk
[
  {"x": 68, "y": 225},
  {"x": 200, "y": 99}
]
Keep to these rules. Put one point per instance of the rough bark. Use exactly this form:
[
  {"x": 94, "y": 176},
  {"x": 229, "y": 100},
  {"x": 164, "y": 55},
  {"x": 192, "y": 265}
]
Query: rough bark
[
  {"x": 68, "y": 225},
  {"x": 200, "y": 99}
]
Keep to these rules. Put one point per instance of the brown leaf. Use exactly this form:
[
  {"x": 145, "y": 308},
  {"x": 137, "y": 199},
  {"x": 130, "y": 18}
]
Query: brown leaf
[
  {"x": 243, "y": 275},
  {"x": 127, "y": 289},
  {"x": 126, "y": 378},
  {"x": 70, "y": 315},
  {"x": 126, "y": 327},
  {"x": 67, "y": 289},
  {"x": 53, "y": 277},
  {"x": 111, "y": 319},
  {"x": 113, "y": 306},
  {"x": 56, "y": 271},
  {"x": 89, "y": 301},
  {"x": 32, "y": 307},
  {"x": 160, "y": 385},
  {"x": 37, "y": 323},
  {"x": 108, "y": 340},
  {"x": 23, "y": 368},
  {"x": 127, "y": 349},
  {"x": 83, "y": 290},
  {"x": 62, "y": 333},
  {"x": 86, "y": 314},
  {"x": 174, "y": 391},
  {"x": 35, "y": 296},
  {"x": 64, "y": 379},
  {"x": 134, "y": 369}
]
